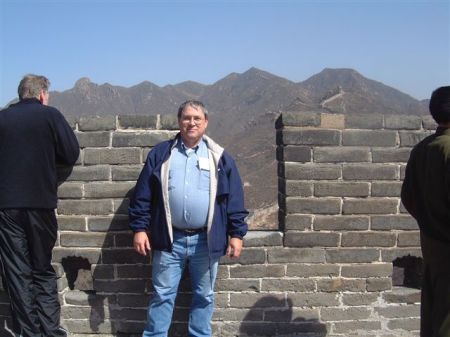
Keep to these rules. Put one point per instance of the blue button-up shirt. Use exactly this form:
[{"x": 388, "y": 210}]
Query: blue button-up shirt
[{"x": 189, "y": 186}]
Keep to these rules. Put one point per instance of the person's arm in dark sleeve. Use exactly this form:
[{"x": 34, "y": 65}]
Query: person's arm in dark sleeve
[
  {"x": 407, "y": 193},
  {"x": 140, "y": 208},
  {"x": 67, "y": 148},
  {"x": 236, "y": 212},
  {"x": 140, "y": 203}
]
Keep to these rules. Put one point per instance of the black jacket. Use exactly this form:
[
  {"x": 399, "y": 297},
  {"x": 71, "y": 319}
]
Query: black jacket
[
  {"x": 426, "y": 187},
  {"x": 34, "y": 138}
]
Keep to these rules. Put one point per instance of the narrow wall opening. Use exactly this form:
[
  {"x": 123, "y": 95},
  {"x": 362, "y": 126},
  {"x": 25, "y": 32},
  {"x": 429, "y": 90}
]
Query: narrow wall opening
[{"x": 408, "y": 272}]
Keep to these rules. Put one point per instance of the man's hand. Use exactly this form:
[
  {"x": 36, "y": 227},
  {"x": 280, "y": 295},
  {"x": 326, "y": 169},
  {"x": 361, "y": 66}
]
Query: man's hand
[
  {"x": 234, "y": 248},
  {"x": 141, "y": 243}
]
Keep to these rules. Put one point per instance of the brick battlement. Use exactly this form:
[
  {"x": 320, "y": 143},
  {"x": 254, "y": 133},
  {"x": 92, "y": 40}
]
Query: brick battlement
[{"x": 335, "y": 266}]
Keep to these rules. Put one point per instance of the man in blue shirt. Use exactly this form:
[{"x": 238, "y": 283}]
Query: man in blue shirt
[{"x": 188, "y": 209}]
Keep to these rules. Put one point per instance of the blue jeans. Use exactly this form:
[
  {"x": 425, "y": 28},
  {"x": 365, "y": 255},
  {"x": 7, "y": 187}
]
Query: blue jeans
[{"x": 167, "y": 269}]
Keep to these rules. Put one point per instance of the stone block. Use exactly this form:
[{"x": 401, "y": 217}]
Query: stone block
[
  {"x": 280, "y": 329},
  {"x": 139, "y": 139},
  {"x": 141, "y": 271},
  {"x": 289, "y": 285},
  {"x": 125, "y": 156},
  {"x": 332, "y": 121},
  {"x": 119, "y": 286},
  {"x": 409, "y": 324},
  {"x": 341, "y": 285},
  {"x": 386, "y": 189},
  {"x": 97, "y": 123},
  {"x": 379, "y": 284},
  {"x": 299, "y": 188},
  {"x": 315, "y": 299},
  {"x": 355, "y": 326},
  {"x": 108, "y": 223},
  {"x": 404, "y": 311},
  {"x": 237, "y": 285},
  {"x": 344, "y": 314},
  {"x": 349, "y": 255},
  {"x": 369, "y": 138},
  {"x": 389, "y": 255},
  {"x": 307, "y": 118},
  {"x": 93, "y": 139},
  {"x": 123, "y": 256},
  {"x": 393, "y": 222},
  {"x": 103, "y": 272},
  {"x": 298, "y": 222},
  {"x": 370, "y": 206},
  {"x": 359, "y": 299},
  {"x": 91, "y": 254},
  {"x": 295, "y": 171},
  {"x": 108, "y": 189},
  {"x": 132, "y": 301},
  {"x": 390, "y": 155},
  {"x": 88, "y": 207},
  {"x": 311, "y": 239},
  {"x": 232, "y": 314},
  {"x": 86, "y": 240},
  {"x": 336, "y": 154},
  {"x": 311, "y": 270},
  {"x": 313, "y": 205},
  {"x": 137, "y": 121},
  {"x": 412, "y": 138},
  {"x": 70, "y": 190},
  {"x": 295, "y": 136},
  {"x": 341, "y": 189},
  {"x": 263, "y": 238},
  {"x": 367, "y": 270},
  {"x": 406, "y": 122},
  {"x": 340, "y": 222},
  {"x": 257, "y": 300},
  {"x": 370, "y": 172},
  {"x": 402, "y": 295},
  {"x": 410, "y": 239},
  {"x": 364, "y": 121},
  {"x": 121, "y": 206},
  {"x": 71, "y": 223},
  {"x": 292, "y": 153},
  {"x": 124, "y": 239},
  {"x": 291, "y": 315},
  {"x": 257, "y": 271},
  {"x": 368, "y": 239},
  {"x": 169, "y": 122},
  {"x": 296, "y": 255},
  {"x": 90, "y": 173},
  {"x": 248, "y": 256},
  {"x": 129, "y": 172}
]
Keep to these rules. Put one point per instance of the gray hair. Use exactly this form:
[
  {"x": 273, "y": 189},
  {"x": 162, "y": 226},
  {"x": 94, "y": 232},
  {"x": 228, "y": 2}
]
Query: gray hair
[
  {"x": 194, "y": 104},
  {"x": 31, "y": 86}
]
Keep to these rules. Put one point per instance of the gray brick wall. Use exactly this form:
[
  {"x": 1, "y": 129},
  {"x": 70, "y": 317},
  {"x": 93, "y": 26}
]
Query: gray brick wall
[{"x": 326, "y": 272}]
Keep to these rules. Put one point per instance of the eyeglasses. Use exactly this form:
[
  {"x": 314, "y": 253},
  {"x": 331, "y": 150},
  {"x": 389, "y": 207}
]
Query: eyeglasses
[{"x": 195, "y": 120}]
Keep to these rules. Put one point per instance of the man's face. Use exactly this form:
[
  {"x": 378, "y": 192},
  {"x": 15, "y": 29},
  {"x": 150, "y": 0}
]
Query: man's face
[{"x": 193, "y": 123}]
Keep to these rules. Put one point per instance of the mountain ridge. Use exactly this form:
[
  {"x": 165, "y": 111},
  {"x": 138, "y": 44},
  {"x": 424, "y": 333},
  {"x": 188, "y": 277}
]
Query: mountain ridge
[{"x": 243, "y": 109}]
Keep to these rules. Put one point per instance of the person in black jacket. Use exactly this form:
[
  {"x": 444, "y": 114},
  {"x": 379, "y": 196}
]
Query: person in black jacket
[
  {"x": 426, "y": 196},
  {"x": 34, "y": 138}
]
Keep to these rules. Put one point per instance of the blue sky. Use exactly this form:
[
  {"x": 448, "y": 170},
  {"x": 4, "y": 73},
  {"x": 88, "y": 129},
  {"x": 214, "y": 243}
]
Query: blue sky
[{"x": 404, "y": 44}]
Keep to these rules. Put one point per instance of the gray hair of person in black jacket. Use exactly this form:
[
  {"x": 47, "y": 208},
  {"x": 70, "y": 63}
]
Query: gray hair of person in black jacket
[{"x": 34, "y": 86}]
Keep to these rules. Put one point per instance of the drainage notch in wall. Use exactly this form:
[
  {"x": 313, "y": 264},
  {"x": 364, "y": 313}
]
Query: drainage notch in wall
[
  {"x": 78, "y": 273},
  {"x": 408, "y": 272}
]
